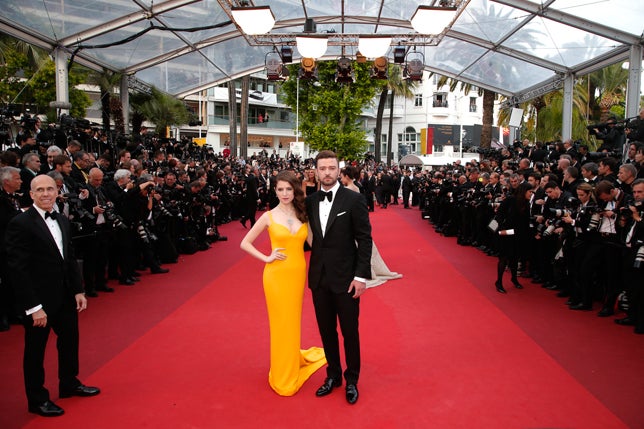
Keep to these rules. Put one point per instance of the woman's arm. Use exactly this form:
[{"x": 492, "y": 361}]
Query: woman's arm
[{"x": 250, "y": 237}]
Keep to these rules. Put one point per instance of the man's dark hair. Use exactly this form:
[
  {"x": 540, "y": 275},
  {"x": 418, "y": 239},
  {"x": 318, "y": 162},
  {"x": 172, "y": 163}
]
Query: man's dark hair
[
  {"x": 325, "y": 154},
  {"x": 551, "y": 185},
  {"x": 604, "y": 187},
  {"x": 60, "y": 160},
  {"x": 609, "y": 162},
  {"x": 592, "y": 167}
]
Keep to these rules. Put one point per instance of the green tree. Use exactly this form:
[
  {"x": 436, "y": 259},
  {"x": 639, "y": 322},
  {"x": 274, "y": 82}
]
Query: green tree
[
  {"x": 106, "y": 80},
  {"x": 329, "y": 112},
  {"x": 43, "y": 85},
  {"x": 164, "y": 110},
  {"x": 395, "y": 85},
  {"x": 137, "y": 100}
]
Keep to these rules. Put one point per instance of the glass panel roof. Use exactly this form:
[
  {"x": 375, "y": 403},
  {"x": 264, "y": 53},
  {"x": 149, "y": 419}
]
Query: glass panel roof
[{"x": 507, "y": 45}]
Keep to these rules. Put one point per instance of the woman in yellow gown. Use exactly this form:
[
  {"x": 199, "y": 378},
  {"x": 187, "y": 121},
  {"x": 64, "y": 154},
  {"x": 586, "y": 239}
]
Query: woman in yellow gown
[{"x": 284, "y": 278}]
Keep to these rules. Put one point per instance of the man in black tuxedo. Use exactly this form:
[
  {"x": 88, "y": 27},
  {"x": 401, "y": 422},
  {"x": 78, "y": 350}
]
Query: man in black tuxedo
[
  {"x": 52, "y": 295},
  {"x": 340, "y": 263},
  {"x": 406, "y": 188}
]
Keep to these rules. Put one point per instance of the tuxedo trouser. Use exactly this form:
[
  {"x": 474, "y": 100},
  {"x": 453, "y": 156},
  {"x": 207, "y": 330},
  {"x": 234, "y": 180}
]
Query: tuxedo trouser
[
  {"x": 65, "y": 325},
  {"x": 329, "y": 308}
]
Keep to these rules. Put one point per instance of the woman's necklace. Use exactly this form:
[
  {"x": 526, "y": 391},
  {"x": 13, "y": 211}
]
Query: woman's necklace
[{"x": 289, "y": 217}]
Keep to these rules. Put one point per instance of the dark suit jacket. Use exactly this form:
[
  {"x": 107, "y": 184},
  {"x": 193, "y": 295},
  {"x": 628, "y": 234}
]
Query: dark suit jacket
[
  {"x": 40, "y": 274},
  {"x": 344, "y": 252}
]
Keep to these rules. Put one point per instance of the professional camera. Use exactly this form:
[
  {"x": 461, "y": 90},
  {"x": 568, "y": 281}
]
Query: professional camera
[
  {"x": 112, "y": 217},
  {"x": 639, "y": 256},
  {"x": 550, "y": 227},
  {"x": 76, "y": 206},
  {"x": 603, "y": 127},
  {"x": 144, "y": 234}
]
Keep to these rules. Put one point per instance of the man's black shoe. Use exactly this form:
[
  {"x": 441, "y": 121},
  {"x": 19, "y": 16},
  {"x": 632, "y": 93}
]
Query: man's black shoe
[
  {"x": 352, "y": 393},
  {"x": 81, "y": 390},
  {"x": 243, "y": 222},
  {"x": 46, "y": 409},
  {"x": 91, "y": 293},
  {"x": 4, "y": 323},
  {"x": 126, "y": 282},
  {"x": 626, "y": 321},
  {"x": 159, "y": 270},
  {"x": 328, "y": 386},
  {"x": 581, "y": 307},
  {"x": 105, "y": 289},
  {"x": 605, "y": 312}
]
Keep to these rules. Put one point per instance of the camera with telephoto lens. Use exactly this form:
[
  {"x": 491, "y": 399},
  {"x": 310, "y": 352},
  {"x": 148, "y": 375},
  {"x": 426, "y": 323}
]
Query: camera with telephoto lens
[
  {"x": 112, "y": 217},
  {"x": 639, "y": 256},
  {"x": 76, "y": 208},
  {"x": 144, "y": 234}
]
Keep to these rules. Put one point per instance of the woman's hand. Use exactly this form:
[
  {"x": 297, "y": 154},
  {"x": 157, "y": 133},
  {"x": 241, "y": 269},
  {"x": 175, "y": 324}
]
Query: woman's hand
[{"x": 276, "y": 255}]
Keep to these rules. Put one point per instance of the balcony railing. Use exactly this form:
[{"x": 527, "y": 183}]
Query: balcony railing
[{"x": 253, "y": 122}]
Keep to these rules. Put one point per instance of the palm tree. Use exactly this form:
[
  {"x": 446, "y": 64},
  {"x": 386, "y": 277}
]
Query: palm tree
[
  {"x": 395, "y": 85},
  {"x": 106, "y": 80},
  {"x": 35, "y": 55},
  {"x": 232, "y": 117},
  {"x": 243, "y": 117},
  {"x": 164, "y": 110},
  {"x": 611, "y": 84}
]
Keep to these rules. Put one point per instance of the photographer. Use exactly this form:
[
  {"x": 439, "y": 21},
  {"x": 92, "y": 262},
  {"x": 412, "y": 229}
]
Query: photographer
[
  {"x": 635, "y": 128},
  {"x": 30, "y": 169},
  {"x": 611, "y": 200},
  {"x": 634, "y": 260},
  {"x": 586, "y": 248},
  {"x": 612, "y": 136}
]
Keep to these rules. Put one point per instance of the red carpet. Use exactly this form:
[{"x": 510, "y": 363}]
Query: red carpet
[{"x": 440, "y": 349}]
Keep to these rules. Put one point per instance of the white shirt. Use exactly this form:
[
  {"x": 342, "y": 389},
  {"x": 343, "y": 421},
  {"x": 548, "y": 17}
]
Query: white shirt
[
  {"x": 325, "y": 207},
  {"x": 57, "y": 234}
]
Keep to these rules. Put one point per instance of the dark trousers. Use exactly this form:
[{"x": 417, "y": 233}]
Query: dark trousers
[
  {"x": 329, "y": 308},
  {"x": 65, "y": 325},
  {"x": 405, "y": 196}
]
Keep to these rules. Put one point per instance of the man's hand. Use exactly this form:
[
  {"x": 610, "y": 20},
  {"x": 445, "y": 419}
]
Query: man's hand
[
  {"x": 40, "y": 318},
  {"x": 359, "y": 287},
  {"x": 81, "y": 302}
]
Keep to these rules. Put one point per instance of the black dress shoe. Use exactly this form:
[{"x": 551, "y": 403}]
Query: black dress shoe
[
  {"x": 46, "y": 409},
  {"x": 4, "y": 323},
  {"x": 626, "y": 321},
  {"x": 81, "y": 390},
  {"x": 352, "y": 393},
  {"x": 243, "y": 222},
  {"x": 91, "y": 293},
  {"x": 126, "y": 282},
  {"x": 553, "y": 286},
  {"x": 134, "y": 279},
  {"x": 605, "y": 312},
  {"x": 159, "y": 270},
  {"x": 581, "y": 307},
  {"x": 499, "y": 287},
  {"x": 516, "y": 284},
  {"x": 328, "y": 386},
  {"x": 105, "y": 289},
  {"x": 563, "y": 294}
]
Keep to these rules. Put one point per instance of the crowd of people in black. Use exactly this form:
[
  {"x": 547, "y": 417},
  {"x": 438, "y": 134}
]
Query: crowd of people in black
[
  {"x": 556, "y": 214},
  {"x": 548, "y": 212}
]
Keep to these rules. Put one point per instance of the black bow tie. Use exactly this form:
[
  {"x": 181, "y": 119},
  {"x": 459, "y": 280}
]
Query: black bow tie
[
  {"x": 327, "y": 195},
  {"x": 52, "y": 215}
]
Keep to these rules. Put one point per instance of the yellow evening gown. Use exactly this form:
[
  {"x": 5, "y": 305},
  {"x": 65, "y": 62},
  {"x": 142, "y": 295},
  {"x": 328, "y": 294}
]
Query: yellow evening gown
[{"x": 284, "y": 291}]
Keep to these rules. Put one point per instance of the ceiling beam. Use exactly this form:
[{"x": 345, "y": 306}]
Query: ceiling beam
[
  {"x": 573, "y": 21},
  {"x": 124, "y": 21}
]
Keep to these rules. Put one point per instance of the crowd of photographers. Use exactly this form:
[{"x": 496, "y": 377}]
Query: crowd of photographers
[
  {"x": 567, "y": 219},
  {"x": 133, "y": 207}
]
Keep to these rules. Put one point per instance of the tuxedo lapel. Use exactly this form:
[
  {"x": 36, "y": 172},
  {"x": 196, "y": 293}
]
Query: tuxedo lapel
[
  {"x": 338, "y": 203},
  {"x": 44, "y": 230},
  {"x": 314, "y": 219}
]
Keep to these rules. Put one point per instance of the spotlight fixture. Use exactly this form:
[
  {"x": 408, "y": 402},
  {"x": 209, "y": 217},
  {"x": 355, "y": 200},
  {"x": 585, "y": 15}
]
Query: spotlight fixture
[
  {"x": 308, "y": 69},
  {"x": 344, "y": 73},
  {"x": 360, "y": 59},
  {"x": 274, "y": 66},
  {"x": 287, "y": 54},
  {"x": 414, "y": 66},
  {"x": 379, "y": 69},
  {"x": 373, "y": 47},
  {"x": 432, "y": 19},
  {"x": 311, "y": 46},
  {"x": 253, "y": 20},
  {"x": 399, "y": 54}
]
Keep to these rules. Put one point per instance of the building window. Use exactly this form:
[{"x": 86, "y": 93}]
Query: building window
[
  {"x": 440, "y": 99},
  {"x": 418, "y": 100},
  {"x": 472, "y": 104}
]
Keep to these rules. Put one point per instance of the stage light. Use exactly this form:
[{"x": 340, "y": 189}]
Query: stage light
[
  {"x": 432, "y": 19},
  {"x": 311, "y": 46},
  {"x": 373, "y": 47},
  {"x": 399, "y": 54},
  {"x": 287, "y": 54},
  {"x": 344, "y": 73},
  {"x": 414, "y": 66},
  {"x": 379, "y": 69},
  {"x": 253, "y": 20},
  {"x": 274, "y": 66},
  {"x": 308, "y": 69}
]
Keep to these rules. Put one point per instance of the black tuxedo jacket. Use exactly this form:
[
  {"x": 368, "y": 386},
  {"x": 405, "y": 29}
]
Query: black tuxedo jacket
[
  {"x": 40, "y": 274},
  {"x": 344, "y": 252}
]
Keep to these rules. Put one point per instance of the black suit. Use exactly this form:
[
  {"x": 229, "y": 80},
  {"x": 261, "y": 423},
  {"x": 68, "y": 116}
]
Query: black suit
[
  {"x": 342, "y": 253},
  {"x": 406, "y": 190},
  {"x": 52, "y": 282}
]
